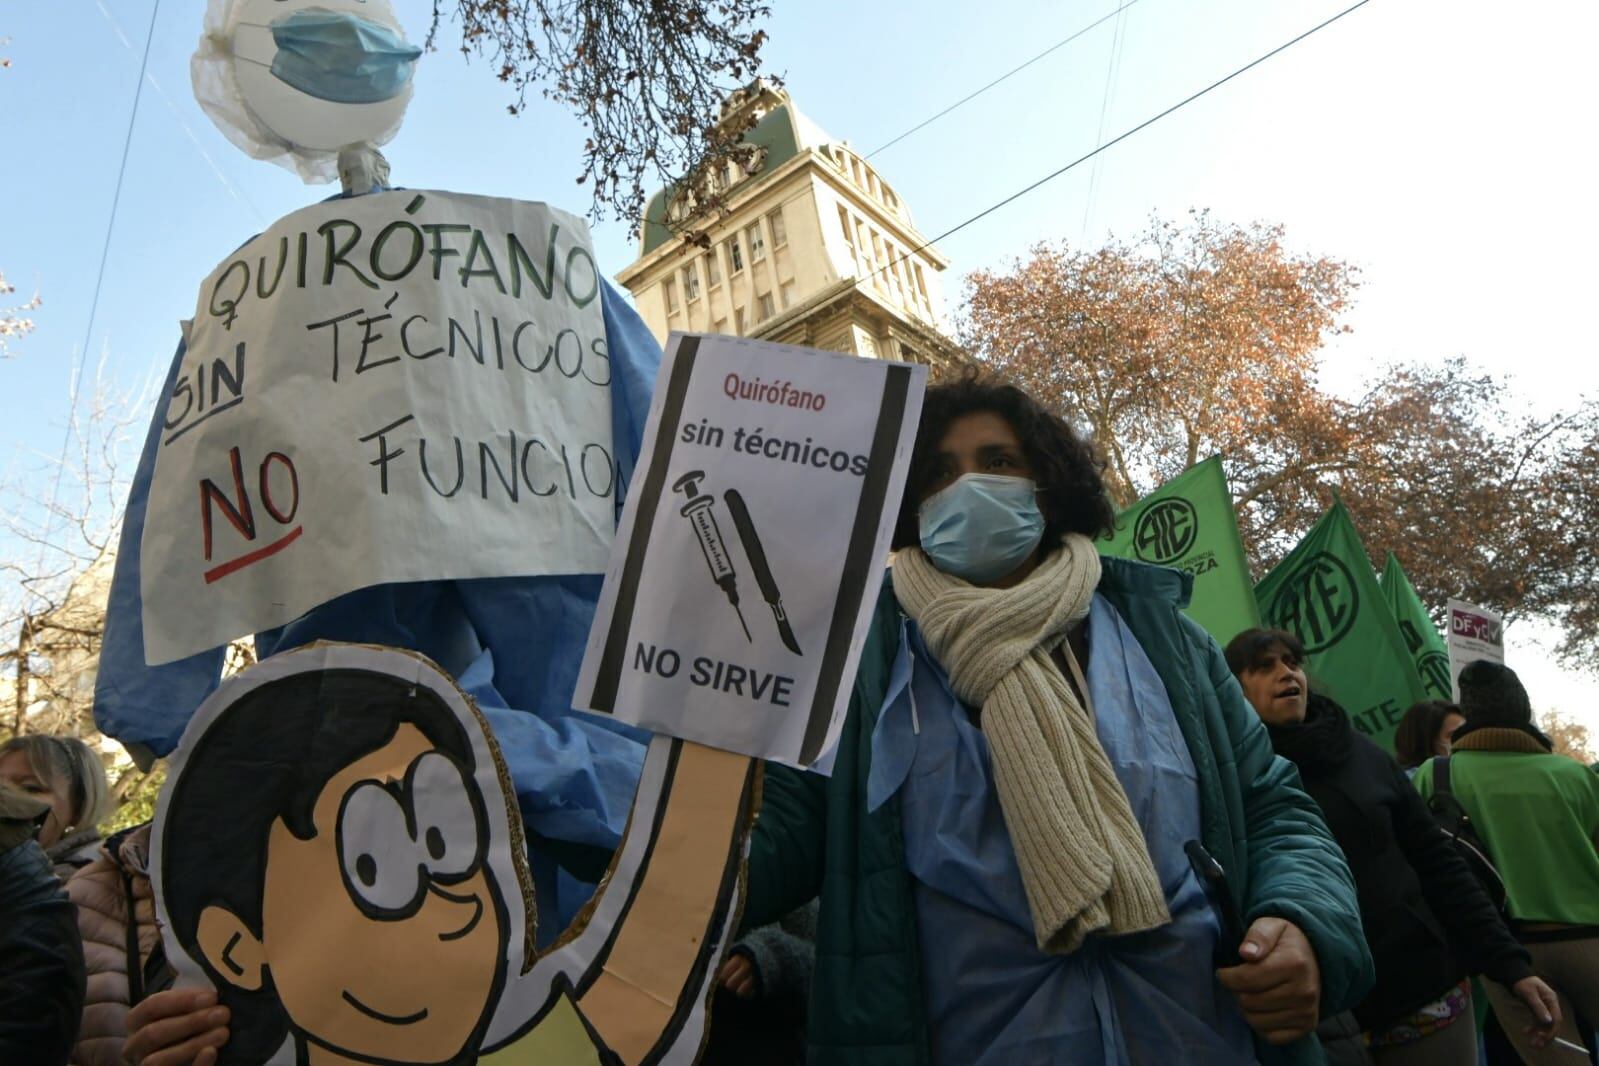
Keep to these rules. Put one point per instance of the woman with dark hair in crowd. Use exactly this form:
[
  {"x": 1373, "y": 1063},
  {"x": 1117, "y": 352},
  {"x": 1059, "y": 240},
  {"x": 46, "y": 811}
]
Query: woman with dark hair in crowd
[
  {"x": 1538, "y": 814},
  {"x": 1034, "y": 736},
  {"x": 1424, "y": 731},
  {"x": 1426, "y": 919}
]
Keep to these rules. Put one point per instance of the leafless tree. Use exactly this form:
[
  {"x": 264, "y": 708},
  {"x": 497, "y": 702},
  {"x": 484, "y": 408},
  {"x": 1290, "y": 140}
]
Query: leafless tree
[{"x": 646, "y": 77}]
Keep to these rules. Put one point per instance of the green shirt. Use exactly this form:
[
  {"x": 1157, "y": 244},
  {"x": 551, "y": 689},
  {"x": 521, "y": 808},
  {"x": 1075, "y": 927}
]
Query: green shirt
[{"x": 1539, "y": 817}]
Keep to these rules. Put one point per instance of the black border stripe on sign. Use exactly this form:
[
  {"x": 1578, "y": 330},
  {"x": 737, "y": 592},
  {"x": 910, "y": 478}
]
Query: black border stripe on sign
[
  {"x": 609, "y": 675},
  {"x": 858, "y": 561}
]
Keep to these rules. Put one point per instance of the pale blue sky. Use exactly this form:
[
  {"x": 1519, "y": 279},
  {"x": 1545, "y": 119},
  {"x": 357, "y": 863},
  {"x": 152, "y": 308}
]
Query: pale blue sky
[{"x": 1442, "y": 146}]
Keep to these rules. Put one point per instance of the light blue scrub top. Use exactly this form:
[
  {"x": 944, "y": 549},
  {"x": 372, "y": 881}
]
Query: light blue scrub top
[{"x": 993, "y": 998}]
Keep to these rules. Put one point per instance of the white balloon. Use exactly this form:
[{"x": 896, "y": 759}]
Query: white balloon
[{"x": 269, "y": 119}]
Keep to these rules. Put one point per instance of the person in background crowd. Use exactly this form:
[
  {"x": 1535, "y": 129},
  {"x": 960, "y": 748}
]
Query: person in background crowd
[
  {"x": 67, "y": 774},
  {"x": 121, "y": 942},
  {"x": 1538, "y": 815},
  {"x": 41, "y": 960},
  {"x": 1427, "y": 920},
  {"x": 1424, "y": 731},
  {"x": 1034, "y": 735}
]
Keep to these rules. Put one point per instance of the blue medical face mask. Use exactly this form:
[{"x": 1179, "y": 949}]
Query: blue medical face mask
[
  {"x": 981, "y": 527},
  {"x": 342, "y": 57}
]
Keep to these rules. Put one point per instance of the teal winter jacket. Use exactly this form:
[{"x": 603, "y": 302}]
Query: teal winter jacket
[{"x": 814, "y": 837}]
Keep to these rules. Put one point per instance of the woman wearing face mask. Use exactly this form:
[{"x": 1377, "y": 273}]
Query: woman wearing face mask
[
  {"x": 1035, "y": 734},
  {"x": 1426, "y": 919},
  {"x": 67, "y": 774}
]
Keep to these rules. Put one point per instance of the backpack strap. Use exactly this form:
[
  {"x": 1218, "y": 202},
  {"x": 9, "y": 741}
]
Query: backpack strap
[{"x": 1440, "y": 775}]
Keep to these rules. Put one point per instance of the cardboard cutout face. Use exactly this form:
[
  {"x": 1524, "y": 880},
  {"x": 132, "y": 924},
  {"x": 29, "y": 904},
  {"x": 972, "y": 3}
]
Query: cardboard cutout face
[{"x": 338, "y": 853}]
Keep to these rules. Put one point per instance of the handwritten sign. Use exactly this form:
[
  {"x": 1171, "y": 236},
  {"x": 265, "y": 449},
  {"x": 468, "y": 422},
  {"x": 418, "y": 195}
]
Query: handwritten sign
[
  {"x": 1474, "y": 633},
  {"x": 399, "y": 387},
  {"x": 752, "y": 546}
]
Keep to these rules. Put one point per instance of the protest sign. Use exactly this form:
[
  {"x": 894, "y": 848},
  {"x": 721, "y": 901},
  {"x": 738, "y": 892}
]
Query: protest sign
[
  {"x": 752, "y": 545},
  {"x": 1188, "y": 523},
  {"x": 404, "y": 386},
  {"x": 1326, "y": 594},
  {"x": 1474, "y": 633},
  {"x": 337, "y": 853},
  {"x": 1415, "y": 625}
]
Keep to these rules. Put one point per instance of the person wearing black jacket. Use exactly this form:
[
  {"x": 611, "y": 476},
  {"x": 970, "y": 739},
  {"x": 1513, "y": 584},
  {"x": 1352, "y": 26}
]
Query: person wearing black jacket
[
  {"x": 41, "y": 957},
  {"x": 1427, "y": 921}
]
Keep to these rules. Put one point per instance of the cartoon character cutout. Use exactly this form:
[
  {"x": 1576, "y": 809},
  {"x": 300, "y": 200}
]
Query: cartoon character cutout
[{"x": 338, "y": 853}]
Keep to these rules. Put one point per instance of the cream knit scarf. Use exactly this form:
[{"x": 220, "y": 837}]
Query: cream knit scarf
[{"x": 1083, "y": 859}]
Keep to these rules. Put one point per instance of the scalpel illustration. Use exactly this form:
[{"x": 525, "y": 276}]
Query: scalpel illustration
[{"x": 763, "y": 570}]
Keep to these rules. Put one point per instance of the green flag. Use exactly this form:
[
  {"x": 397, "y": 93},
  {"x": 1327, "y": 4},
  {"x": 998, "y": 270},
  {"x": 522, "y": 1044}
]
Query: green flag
[
  {"x": 1326, "y": 593},
  {"x": 1422, "y": 638},
  {"x": 1188, "y": 523}
]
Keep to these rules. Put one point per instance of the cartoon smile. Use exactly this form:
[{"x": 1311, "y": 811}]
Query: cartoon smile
[
  {"x": 387, "y": 1019},
  {"x": 471, "y": 923}
]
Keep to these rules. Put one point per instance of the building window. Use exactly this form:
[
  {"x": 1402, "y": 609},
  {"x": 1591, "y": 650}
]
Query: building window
[
  {"x": 767, "y": 310},
  {"x": 719, "y": 326},
  {"x": 691, "y": 283},
  {"x": 738, "y": 321},
  {"x": 713, "y": 270},
  {"x": 907, "y": 353},
  {"x": 735, "y": 255},
  {"x": 779, "y": 233},
  {"x": 849, "y": 231},
  {"x": 669, "y": 294},
  {"x": 757, "y": 243},
  {"x": 921, "y": 282},
  {"x": 786, "y": 294}
]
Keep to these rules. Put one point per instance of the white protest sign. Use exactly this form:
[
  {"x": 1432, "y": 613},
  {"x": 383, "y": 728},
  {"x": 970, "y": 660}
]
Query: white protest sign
[
  {"x": 752, "y": 545},
  {"x": 406, "y": 386},
  {"x": 1474, "y": 633}
]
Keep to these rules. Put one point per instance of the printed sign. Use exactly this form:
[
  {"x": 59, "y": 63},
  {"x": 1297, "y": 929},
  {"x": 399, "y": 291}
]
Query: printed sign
[
  {"x": 337, "y": 852},
  {"x": 399, "y": 387},
  {"x": 1474, "y": 633},
  {"x": 753, "y": 545}
]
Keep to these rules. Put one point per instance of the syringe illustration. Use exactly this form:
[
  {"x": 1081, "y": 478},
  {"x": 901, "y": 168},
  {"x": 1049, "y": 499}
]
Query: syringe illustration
[{"x": 698, "y": 511}]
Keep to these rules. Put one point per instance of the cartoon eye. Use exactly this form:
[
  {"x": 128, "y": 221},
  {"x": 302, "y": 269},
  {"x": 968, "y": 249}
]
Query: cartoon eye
[
  {"x": 377, "y": 853},
  {"x": 446, "y": 824}
]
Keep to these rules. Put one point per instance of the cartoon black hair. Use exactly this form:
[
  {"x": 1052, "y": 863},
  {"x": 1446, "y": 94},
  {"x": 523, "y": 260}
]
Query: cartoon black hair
[{"x": 268, "y": 756}]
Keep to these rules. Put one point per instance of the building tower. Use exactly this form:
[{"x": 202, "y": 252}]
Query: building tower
[{"x": 814, "y": 249}]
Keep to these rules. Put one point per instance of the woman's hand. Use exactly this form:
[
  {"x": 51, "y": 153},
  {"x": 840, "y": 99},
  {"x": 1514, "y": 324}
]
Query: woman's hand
[
  {"x": 738, "y": 976},
  {"x": 1278, "y": 985},
  {"x": 1545, "y": 1007},
  {"x": 177, "y": 1027}
]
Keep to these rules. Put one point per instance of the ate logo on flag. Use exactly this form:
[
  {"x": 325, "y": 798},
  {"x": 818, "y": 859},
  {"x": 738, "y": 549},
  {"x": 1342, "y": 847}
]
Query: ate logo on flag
[
  {"x": 1318, "y": 603},
  {"x": 1165, "y": 531}
]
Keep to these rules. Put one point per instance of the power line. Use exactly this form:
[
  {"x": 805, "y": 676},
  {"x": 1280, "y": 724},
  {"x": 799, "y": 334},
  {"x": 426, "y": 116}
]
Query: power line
[
  {"x": 1014, "y": 70},
  {"x": 985, "y": 212},
  {"x": 99, "y": 281}
]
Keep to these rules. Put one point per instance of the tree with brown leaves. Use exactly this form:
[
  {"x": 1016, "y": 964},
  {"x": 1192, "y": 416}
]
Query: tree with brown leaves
[
  {"x": 646, "y": 77},
  {"x": 1206, "y": 338}
]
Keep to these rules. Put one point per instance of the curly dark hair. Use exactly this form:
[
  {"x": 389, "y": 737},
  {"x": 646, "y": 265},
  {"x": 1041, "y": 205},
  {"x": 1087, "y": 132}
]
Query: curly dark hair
[
  {"x": 1065, "y": 465},
  {"x": 1413, "y": 738}
]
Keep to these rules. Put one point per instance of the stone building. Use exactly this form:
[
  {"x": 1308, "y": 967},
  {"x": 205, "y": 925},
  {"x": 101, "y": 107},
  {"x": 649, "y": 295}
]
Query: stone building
[{"x": 814, "y": 248}]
